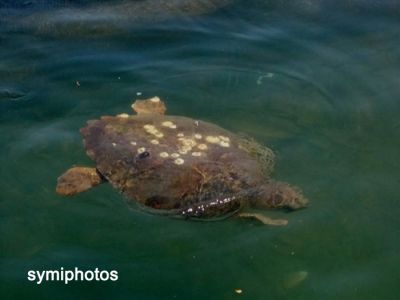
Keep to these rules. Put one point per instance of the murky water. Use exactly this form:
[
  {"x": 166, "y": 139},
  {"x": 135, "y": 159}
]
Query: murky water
[{"x": 318, "y": 81}]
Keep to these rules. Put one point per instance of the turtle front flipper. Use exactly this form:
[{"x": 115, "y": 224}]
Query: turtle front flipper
[
  {"x": 77, "y": 180},
  {"x": 149, "y": 106},
  {"x": 277, "y": 194}
]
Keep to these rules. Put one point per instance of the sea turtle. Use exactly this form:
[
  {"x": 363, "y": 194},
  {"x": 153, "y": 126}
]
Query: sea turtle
[{"x": 179, "y": 166}]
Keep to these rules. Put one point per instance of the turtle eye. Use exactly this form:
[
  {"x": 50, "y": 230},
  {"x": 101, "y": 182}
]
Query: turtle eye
[{"x": 144, "y": 154}]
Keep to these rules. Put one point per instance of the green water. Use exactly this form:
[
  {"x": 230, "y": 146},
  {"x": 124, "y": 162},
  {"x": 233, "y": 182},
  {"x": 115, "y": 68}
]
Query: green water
[{"x": 317, "y": 82}]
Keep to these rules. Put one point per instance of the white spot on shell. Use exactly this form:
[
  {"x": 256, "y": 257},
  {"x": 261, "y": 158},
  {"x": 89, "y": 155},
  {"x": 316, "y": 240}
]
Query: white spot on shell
[
  {"x": 149, "y": 127},
  {"x": 123, "y": 116},
  {"x": 224, "y": 138},
  {"x": 186, "y": 148},
  {"x": 196, "y": 153},
  {"x": 155, "y": 99},
  {"x": 141, "y": 149},
  {"x": 175, "y": 155},
  {"x": 202, "y": 146},
  {"x": 164, "y": 154},
  {"x": 224, "y": 144},
  {"x": 179, "y": 161},
  {"x": 168, "y": 124},
  {"x": 212, "y": 139},
  {"x": 155, "y": 142},
  {"x": 153, "y": 131},
  {"x": 133, "y": 143},
  {"x": 198, "y": 136},
  {"x": 114, "y": 144},
  {"x": 188, "y": 142}
]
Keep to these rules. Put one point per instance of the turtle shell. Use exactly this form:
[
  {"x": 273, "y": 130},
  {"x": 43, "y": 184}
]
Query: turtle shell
[{"x": 173, "y": 164}]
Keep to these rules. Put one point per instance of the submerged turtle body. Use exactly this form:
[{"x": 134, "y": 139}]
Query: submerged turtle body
[
  {"x": 172, "y": 163},
  {"x": 180, "y": 166}
]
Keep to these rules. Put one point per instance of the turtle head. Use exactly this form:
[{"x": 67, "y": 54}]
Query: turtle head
[{"x": 281, "y": 195}]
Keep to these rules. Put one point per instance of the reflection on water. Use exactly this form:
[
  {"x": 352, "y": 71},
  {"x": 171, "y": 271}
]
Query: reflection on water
[
  {"x": 317, "y": 81},
  {"x": 64, "y": 18}
]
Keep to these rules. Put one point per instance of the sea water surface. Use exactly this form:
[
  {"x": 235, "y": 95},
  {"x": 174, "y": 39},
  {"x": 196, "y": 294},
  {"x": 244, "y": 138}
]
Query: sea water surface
[{"x": 317, "y": 81}]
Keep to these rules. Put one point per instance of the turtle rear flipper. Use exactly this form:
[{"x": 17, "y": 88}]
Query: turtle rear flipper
[
  {"x": 264, "y": 155},
  {"x": 77, "y": 180},
  {"x": 149, "y": 106}
]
